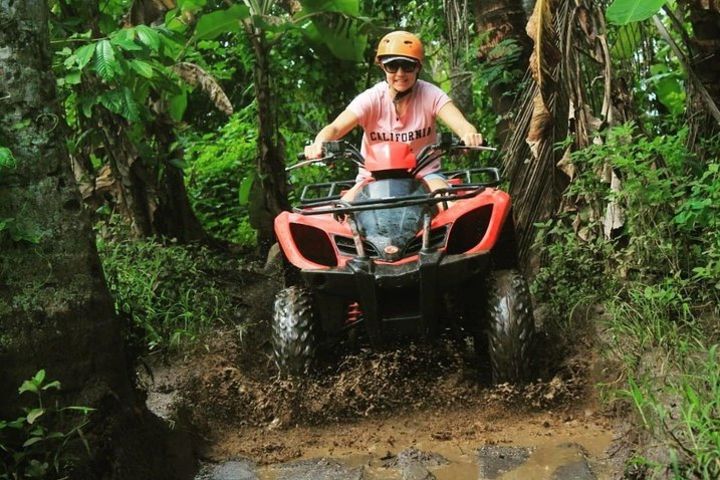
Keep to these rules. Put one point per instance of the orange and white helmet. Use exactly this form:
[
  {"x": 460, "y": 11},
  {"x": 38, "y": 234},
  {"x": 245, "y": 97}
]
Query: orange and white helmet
[{"x": 400, "y": 44}]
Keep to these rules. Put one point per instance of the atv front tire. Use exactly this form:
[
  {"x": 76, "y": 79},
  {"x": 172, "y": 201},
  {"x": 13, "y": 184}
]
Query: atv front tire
[
  {"x": 294, "y": 337},
  {"x": 511, "y": 328}
]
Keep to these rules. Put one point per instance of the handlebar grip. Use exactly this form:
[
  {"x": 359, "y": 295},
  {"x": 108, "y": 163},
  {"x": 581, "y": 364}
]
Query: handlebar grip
[{"x": 334, "y": 146}]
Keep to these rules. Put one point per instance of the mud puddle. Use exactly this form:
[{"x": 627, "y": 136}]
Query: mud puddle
[{"x": 454, "y": 443}]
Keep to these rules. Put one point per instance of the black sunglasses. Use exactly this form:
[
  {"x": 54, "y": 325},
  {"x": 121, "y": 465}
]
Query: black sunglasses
[{"x": 407, "y": 66}]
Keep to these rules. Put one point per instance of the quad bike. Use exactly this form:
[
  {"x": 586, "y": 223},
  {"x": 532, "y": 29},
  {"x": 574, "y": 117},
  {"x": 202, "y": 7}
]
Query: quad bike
[{"x": 401, "y": 259}]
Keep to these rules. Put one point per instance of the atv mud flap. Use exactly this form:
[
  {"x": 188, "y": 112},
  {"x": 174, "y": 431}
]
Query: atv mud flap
[{"x": 371, "y": 283}]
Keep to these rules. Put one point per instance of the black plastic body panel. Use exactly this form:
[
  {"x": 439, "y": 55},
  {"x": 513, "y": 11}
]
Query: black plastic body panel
[{"x": 396, "y": 300}]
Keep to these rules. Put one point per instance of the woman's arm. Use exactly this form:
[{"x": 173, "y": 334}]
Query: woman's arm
[
  {"x": 451, "y": 116},
  {"x": 335, "y": 130}
]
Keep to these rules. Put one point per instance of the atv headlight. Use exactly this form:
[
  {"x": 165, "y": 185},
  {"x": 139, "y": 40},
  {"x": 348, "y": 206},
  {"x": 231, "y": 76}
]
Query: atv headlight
[
  {"x": 469, "y": 230},
  {"x": 313, "y": 244}
]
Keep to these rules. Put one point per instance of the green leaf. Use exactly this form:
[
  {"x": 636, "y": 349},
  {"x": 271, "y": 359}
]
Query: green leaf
[
  {"x": 28, "y": 386},
  {"x": 34, "y": 415},
  {"x": 171, "y": 48},
  {"x": 336, "y": 24},
  {"x": 106, "y": 64},
  {"x": 666, "y": 84},
  {"x": 76, "y": 408},
  {"x": 177, "y": 106},
  {"x": 191, "y": 5},
  {"x": 149, "y": 37},
  {"x": 622, "y": 12},
  {"x": 216, "y": 23},
  {"x": 178, "y": 163},
  {"x": 86, "y": 102},
  {"x": 72, "y": 78},
  {"x": 122, "y": 102},
  {"x": 627, "y": 41},
  {"x": 351, "y": 7},
  {"x": 7, "y": 160},
  {"x": 124, "y": 35},
  {"x": 18, "y": 423},
  {"x": 127, "y": 44},
  {"x": 244, "y": 190},
  {"x": 84, "y": 54},
  {"x": 31, "y": 441},
  {"x": 54, "y": 384},
  {"x": 142, "y": 68},
  {"x": 36, "y": 469}
]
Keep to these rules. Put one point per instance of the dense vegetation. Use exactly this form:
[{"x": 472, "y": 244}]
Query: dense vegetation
[{"x": 181, "y": 115}]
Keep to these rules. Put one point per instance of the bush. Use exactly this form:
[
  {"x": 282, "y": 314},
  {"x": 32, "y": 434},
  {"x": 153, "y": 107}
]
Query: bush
[
  {"x": 220, "y": 167},
  {"x": 173, "y": 293}
]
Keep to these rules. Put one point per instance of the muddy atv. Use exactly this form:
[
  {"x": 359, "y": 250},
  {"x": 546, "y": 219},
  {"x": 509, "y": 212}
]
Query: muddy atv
[{"x": 399, "y": 259}]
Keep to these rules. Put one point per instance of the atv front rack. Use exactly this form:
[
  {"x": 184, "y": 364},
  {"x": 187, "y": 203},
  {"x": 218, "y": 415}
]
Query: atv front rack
[
  {"x": 322, "y": 193},
  {"x": 437, "y": 196},
  {"x": 334, "y": 203}
]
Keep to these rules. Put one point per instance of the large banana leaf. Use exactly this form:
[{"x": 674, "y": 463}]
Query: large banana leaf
[
  {"x": 622, "y": 12},
  {"x": 627, "y": 41},
  {"x": 219, "y": 22},
  {"x": 338, "y": 25}
]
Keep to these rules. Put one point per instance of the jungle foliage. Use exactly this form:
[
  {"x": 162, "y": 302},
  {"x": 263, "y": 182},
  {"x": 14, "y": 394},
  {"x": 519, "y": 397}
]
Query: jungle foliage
[{"x": 636, "y": 227}]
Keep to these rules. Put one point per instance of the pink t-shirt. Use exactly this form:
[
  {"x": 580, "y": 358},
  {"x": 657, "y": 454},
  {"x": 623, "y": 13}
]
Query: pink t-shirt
[{"x": 417, "y": 127}]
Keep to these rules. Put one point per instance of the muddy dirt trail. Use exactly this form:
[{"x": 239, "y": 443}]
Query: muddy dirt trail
[
  {"x": 448, "y": 443},
  {"x": 412, "y": 413},
  {"x": 415, "y": 412}
]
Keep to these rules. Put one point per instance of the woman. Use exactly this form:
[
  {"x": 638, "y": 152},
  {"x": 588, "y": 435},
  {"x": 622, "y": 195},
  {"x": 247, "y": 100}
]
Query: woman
[{"x": 402, "y": 108}]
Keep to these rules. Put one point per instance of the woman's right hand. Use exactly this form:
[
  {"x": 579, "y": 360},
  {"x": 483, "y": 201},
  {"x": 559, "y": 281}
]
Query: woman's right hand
[{"x": 314, "y": 150}]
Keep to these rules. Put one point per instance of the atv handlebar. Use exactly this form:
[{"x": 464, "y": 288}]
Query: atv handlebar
[
  {"x": 340, "y": 149},
  {"x": 334, "y": 150}
]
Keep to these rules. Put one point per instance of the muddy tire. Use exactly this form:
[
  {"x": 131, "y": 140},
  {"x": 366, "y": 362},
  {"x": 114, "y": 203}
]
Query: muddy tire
[
  {"x": 294, "y": 338},
  {"x": 511, "y": 328}
]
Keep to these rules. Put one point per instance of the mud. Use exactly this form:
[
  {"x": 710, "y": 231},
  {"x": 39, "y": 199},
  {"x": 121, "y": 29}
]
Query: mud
[{"x": 416, "y": 412}]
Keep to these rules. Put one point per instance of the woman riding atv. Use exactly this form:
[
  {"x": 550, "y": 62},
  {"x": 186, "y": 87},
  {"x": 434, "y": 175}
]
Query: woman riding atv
[{"x": 401, "y": 109}]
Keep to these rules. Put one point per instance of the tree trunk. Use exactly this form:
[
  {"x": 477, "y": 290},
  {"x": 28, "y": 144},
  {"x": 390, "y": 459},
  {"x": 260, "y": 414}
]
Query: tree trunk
[
  {"x": 704, "y": 45},
  {"x": 536, "y": 182},
  {"x": 175, "y": 217},
  {"x": 705, "y": 19},
  {"x": 458, "y": 46},
  {"x": 55, "y": 310},
  {"x": 270, "y": 187},
  {"x": 497, "y": 21}
]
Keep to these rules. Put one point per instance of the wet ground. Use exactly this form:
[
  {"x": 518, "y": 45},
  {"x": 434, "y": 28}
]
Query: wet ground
[
  {"x": 414, "y": 413},
  {"x": 454, "y": 443}
]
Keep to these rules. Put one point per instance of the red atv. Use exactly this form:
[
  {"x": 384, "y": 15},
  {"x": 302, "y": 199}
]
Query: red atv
[{"x": 400, "y": 259}]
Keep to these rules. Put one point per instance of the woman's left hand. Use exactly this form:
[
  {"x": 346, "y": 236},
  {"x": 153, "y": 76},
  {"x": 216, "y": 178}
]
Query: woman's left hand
[{"x": 473, "y": 139}]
